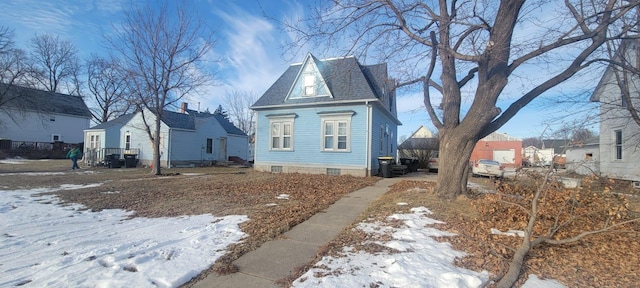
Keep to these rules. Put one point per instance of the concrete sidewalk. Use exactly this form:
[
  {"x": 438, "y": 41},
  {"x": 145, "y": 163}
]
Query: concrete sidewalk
[{"x": 276, "y": 259}]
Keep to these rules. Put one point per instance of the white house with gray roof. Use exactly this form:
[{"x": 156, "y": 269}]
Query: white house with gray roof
[
  {"x": 618, "y": 154},
  {"x": 187, "y": 137},
  {"x": 33, "y": 115},
  {"x": 331, "y": 116}
]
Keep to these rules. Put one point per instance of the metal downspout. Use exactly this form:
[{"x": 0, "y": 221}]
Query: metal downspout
[{"x": 369, "y": 139}]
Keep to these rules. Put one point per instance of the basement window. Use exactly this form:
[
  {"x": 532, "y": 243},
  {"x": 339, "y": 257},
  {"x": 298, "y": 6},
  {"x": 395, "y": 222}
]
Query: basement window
[
  {"x": 333, "y": 171},
  {"x": 588, "y": 156},
  {"x": 276, "y": 169}
]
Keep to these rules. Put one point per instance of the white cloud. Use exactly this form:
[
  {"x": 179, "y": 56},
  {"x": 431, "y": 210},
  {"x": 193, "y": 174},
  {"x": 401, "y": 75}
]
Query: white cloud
[{"x": 251, "y": 56}]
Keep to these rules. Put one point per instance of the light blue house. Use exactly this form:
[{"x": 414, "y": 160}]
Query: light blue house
[{"x": 332, "y": 116}]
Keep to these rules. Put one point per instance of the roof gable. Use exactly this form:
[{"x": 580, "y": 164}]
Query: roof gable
[
  {"x": 422, "y": 132},
  {"x": 309, "y": 81},
  {"x": 344, "y": 78},
  {"x": 624, "y": 54}
]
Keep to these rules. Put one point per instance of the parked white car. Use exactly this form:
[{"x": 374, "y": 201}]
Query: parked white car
[
  {"x": 433, "y": 162},
  {"x": 484, "y": 167}
]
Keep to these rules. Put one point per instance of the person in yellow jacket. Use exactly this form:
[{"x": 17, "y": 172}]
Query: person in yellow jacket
[{"x": 74, "y": 154}]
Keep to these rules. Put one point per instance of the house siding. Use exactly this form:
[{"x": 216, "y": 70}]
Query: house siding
[
  {"x": 38, "y": 127},
  {"x": 140, "y": 139},
  {"x": 237, "y": 145},
  {"x": 614, "y": 117},
  {"x": 579, "y": 163},
  {"x": 381, "y": 124},
  {"x": 307, "y": 141}
]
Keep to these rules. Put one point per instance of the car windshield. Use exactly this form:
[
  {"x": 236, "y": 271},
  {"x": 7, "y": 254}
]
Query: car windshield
[{"x": 489, "y": 162}]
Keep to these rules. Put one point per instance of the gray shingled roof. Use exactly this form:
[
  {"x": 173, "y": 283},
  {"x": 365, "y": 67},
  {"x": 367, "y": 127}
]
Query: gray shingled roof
[
  {"x": 345, "y": 78},
  {"x": 420, "y": 144},
  {"x": 44, "y": 101},
  {"x": 187, "y": 121},
  {"x": 179, "y": 120},
  {"x": 118, "y": 121},
  {"x": 228, "y": 126}
]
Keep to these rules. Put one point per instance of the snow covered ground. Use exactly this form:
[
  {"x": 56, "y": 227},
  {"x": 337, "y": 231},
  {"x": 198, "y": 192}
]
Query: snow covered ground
[
  {"x": 47, "y": 245},
  {"x": 44, "y": 244},
  {"x": 421, "y": 261}
]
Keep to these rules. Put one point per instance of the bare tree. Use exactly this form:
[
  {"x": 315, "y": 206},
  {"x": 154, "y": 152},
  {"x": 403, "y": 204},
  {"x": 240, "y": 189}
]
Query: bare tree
[
  {"x": 551, "y": 214},
  {"x": 451, "y": 46},
  {"x": 107, "y": 84},
  {"x": 54, "y": 62},
  {"x": 12, "y": 67},
  {"x": 532, "y": 141},
  {"x": 163, "y": 51},
  {"x": 238, "y": 103}
]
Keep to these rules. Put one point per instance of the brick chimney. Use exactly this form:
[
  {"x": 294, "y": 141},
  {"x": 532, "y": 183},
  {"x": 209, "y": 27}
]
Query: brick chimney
[{"x": 183, "y": 107}]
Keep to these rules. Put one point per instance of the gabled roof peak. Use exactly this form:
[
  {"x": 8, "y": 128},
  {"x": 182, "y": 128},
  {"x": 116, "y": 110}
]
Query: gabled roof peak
[{"x": 323, "y": 59}]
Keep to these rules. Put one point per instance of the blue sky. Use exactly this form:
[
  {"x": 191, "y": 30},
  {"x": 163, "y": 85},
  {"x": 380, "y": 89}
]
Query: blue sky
[{"x": 248, "y": 43}]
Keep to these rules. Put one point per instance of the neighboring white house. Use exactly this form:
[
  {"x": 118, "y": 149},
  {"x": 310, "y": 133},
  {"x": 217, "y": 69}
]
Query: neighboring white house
[
  {"x": 582, "y": 158},
  {"x": 32, "y": 115},
  {"x": 619, "y": 133},
  {"x": 187, "y": 137},
  {"x": 536, "y": 156}
]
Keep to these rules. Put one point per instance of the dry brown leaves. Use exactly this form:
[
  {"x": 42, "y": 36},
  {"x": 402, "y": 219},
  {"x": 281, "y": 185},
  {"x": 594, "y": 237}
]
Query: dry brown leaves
[{"x": 602, "y": 260}]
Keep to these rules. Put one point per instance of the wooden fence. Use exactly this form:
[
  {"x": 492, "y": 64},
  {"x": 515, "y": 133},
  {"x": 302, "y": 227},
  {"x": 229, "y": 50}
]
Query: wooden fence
[{"x": 35, "y": 150}]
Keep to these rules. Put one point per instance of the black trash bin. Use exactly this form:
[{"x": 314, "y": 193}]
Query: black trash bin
[
  {"x": 412, "y": 164},
  {"x": 386, "y": 164},
  {"x": 415, "y": 163},
  {"x": 114, "y": 161},
  {"x": 130, "y": 160}
]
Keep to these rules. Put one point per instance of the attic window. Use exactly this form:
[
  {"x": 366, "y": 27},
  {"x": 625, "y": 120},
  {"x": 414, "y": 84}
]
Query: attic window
[{"x": 309, "y": 84}]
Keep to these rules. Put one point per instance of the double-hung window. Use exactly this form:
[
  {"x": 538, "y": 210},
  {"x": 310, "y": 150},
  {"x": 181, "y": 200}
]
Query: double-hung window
[
  {"x": 127, "y": 141},
  {"x": 336, "y": 131},
  {"x": 281, "y": 132},
  {"x": 618, "y": 146},
  {"x": 209, "y": 146}
]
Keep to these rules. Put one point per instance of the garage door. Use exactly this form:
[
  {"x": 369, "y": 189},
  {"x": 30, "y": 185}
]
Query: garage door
[{"x": 505, "y": 156}]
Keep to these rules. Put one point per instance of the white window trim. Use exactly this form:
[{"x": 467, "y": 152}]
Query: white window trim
[
  {"x": 615, "y": 145},
  {"x": 281, "y": 120},
  {"x": 336, "y": 118}
]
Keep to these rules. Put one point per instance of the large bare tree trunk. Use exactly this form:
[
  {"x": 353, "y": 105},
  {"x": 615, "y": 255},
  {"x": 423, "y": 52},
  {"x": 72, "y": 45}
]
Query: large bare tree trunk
[
  {"x": 455, "y": 150},
  {"x": 156, "y": 148}
]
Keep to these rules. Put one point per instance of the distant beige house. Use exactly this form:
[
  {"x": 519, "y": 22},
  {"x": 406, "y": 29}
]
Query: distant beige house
[{"x": 420, "y": 146}]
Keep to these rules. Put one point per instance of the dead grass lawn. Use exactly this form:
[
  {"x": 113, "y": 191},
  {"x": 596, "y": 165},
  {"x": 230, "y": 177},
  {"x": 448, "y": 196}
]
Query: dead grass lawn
[{"x": 219, "y": 191}]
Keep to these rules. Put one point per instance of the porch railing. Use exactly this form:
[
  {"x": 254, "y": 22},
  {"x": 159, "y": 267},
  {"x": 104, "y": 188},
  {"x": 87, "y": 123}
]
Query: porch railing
[{"x": 99, "y": 156}]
